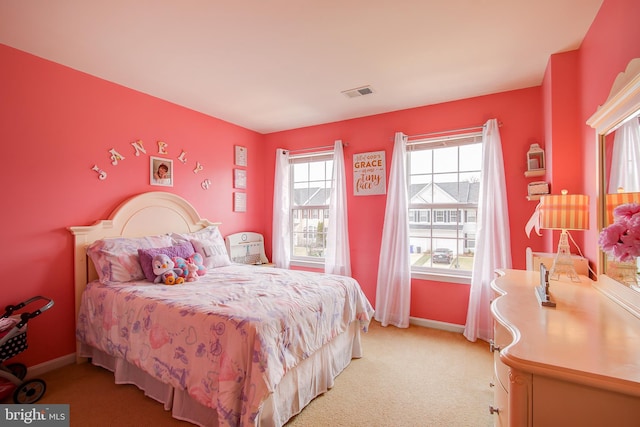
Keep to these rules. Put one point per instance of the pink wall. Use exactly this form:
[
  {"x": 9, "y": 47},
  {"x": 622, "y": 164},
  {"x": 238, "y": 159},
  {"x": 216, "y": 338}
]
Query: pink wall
[
  {"x": 562, "y": 134},
  {"x": 520, "y": 114},
  {"x": 55, "y": 124},
  {"x": 611, "y": 42}
]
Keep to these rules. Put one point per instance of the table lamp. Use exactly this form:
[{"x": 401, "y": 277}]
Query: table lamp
[
  {"x": 617, "y": 199},
  {"x": 564, "y": 212}
]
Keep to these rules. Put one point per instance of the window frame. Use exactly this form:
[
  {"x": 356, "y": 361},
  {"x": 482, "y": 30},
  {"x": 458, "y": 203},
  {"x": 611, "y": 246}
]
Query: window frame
[
  {"x": 321, "y": 210},
  {"x": 433, "y": 213}
]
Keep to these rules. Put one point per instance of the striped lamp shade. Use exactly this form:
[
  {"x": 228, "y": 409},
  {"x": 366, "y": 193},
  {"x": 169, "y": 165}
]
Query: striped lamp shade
[
  {"x": 617, "y": 199},
  {"x": 564, "y": 212}
]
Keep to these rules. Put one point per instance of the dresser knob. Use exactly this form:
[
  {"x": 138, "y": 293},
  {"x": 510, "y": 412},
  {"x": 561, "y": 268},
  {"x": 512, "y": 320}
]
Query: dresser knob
[
  {"x": 491, "y": 384},
  {"x": 493, "y": 410},
  {"x": 493, "y": 347}
]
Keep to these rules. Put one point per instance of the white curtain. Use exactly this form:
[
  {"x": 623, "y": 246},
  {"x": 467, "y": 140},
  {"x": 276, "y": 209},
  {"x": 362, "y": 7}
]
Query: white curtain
[
  {"x": 393, "y": 292},
  {"x": 626, "y": 157},
  {"x": 337, "y": 259},
  {"x": 281, "y": 210},
  {"x": 493, "y": 247}
]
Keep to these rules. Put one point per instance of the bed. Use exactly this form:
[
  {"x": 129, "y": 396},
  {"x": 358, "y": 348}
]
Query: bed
[{"x": 239, "y": 346}]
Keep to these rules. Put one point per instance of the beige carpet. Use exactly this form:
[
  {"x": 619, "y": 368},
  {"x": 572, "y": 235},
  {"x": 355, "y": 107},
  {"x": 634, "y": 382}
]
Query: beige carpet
[{"x": 408, "y": 377}]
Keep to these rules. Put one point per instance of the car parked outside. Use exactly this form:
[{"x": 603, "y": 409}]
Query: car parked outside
[{"x": 442, "y": 256}]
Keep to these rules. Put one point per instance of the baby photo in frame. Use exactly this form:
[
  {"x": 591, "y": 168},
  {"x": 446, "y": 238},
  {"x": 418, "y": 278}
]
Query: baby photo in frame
[{"x": 161, "y": 171}]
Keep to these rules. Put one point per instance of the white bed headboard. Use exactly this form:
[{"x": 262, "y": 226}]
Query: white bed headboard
[{"x": 146, "y": 214}]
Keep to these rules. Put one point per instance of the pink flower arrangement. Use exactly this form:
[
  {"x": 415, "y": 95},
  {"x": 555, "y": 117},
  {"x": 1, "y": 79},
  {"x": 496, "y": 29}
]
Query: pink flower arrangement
[{"x": 622, "y": 238}]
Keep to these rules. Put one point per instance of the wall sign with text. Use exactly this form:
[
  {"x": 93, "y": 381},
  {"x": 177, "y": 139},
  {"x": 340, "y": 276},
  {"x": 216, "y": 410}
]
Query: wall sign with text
[{"x": 369, "y": 173}]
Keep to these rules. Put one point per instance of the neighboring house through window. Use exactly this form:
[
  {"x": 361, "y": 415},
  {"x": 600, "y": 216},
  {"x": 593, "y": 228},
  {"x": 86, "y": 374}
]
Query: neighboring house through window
[
  {"x": 310, "y": 184},
  {"x": 444, "y": 184}
]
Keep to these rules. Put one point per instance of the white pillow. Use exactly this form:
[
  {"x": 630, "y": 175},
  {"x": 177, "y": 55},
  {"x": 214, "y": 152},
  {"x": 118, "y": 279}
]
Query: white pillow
[
  {"x": 116, "y": 259},
  {"x": 209, "y": 243}
]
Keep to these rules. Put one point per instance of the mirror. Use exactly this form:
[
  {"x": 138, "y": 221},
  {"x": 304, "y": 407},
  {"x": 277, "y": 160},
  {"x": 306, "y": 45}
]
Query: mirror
[
  {"x": 621, "y": 108},
  {"x": 621, "y": 170},
  {"x": 621, "y": 167}
]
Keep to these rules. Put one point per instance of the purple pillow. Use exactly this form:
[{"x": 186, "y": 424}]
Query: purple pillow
[{"x": 183, "y": 250}]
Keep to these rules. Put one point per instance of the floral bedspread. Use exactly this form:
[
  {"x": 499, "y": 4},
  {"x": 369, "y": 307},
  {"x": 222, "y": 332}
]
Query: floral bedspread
[{"x": 228, "y": 338}]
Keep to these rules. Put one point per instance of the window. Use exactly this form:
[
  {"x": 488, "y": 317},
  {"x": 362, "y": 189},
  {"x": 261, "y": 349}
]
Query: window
[
  {"x": 310, "y": 184},
  {"x": 444, "y": 184}
]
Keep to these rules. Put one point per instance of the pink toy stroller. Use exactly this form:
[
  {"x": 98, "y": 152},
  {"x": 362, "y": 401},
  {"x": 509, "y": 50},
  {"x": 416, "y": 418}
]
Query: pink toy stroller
[{"x": 13, "y": 341}]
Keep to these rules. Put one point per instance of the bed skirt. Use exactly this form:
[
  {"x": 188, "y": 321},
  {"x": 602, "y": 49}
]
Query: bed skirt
[{"x": 312, "y": 377}]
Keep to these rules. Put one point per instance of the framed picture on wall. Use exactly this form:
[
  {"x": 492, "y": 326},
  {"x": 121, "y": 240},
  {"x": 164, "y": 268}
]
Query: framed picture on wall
[
  {"x": 240, "y": 178},
  {"x": 161, "y": 171},
  {"x": 239, "y": 202},
  {"x": 241, "y": 156}
]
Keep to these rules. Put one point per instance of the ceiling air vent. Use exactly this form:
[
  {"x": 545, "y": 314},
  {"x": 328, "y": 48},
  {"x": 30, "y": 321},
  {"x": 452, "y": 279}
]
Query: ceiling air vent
[{"x": 359, "y": 91}]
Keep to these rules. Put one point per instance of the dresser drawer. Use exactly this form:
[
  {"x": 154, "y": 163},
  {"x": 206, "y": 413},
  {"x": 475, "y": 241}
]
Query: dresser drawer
[
  {"x": 501, "y": 335},
  {"x": 501, "y": 370},
  {"x": 500, "y": 406},
  {"x": 502, "y": 338}
]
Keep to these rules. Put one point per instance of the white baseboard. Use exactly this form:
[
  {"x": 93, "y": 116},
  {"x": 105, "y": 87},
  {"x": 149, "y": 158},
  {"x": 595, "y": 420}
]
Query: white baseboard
[
  {"x": 50, "y": 365},
  {"x": 451, "y": 327}
]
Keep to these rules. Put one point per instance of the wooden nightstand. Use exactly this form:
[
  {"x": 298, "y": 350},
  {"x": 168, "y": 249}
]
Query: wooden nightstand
[{"x": 247, "y": 248}]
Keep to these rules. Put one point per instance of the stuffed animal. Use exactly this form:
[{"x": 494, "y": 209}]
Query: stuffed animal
[
  {"x": 181, "y": 263},
  {"x": 165, "y": 271},
  {"x": 192, "y": 274},
  {"x": 197, "y": 259},
  {"x": 170, "y": 278}
]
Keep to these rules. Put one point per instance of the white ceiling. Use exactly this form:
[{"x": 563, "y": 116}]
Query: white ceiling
[{"x": 271, "y": 65}]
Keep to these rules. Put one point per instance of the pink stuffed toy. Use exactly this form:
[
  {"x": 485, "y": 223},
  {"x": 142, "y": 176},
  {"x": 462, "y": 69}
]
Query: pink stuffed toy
[
  {"x": 181, "y": 264},
  {"x": 197, "y": 259},
  {"x": 192, "y": 272}
]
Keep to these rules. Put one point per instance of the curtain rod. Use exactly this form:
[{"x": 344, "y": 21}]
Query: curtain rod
[
  {"x": 443, "y": 132},
  {"x": 323, "y": 147}
]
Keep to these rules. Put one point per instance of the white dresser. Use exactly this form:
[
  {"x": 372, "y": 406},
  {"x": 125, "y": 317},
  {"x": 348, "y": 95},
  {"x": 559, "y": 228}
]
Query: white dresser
[{"x": 576, "y": 364}]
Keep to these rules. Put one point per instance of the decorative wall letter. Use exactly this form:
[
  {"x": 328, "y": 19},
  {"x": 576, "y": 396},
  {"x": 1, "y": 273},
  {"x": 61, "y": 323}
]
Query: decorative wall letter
[
  {"x": 102, "y": 175},
  {"x": 162, "y": 147},
  {"x": 206, "y": 184},
  {"x": 115, "y": 156},
  {"x": 198, "y": 167},
  {"x": 137, "y": 145},
  {"x": 183, "y": 157}
]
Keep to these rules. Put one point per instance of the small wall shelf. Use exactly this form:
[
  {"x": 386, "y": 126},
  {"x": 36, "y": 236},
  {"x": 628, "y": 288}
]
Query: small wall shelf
[
  {"x": 535, "y": 158},
  {"x": 534, "y": 172},
  {"x": 535, "y": 168}
]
